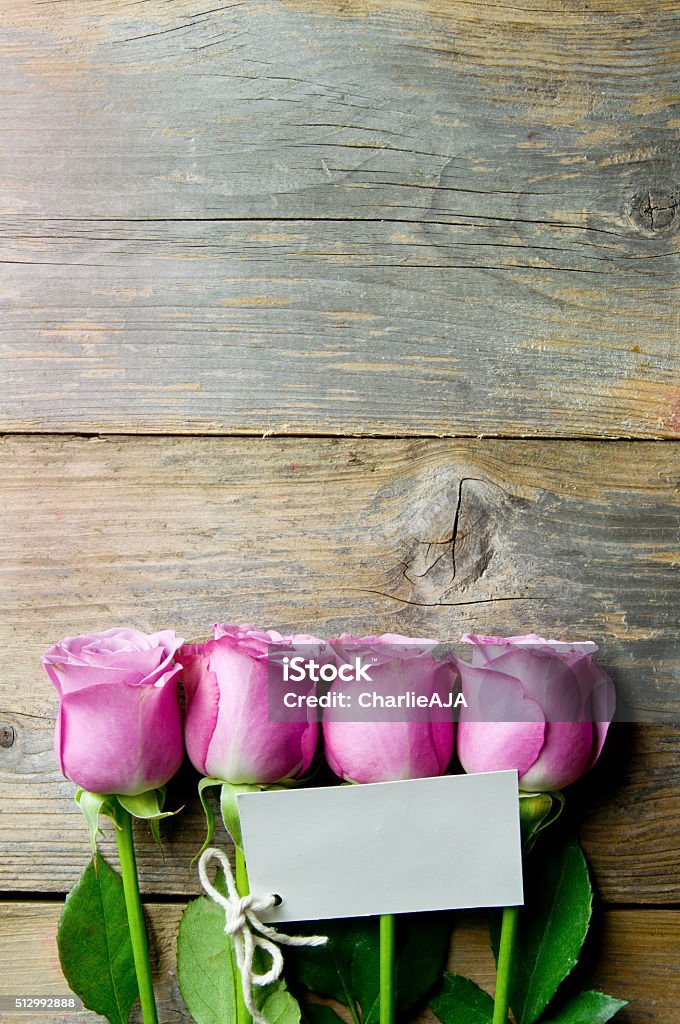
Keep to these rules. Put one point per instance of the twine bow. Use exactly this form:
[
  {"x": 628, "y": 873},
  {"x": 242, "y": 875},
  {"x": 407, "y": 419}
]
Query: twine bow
[{"x": 248, "y": 932}]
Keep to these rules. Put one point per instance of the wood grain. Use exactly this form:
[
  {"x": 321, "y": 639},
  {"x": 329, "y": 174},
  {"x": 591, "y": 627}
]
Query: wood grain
[
  {"x": 363, "y": 217},
  {"x": 636, "y": 959},
  {"x": 421, "y": 537}
]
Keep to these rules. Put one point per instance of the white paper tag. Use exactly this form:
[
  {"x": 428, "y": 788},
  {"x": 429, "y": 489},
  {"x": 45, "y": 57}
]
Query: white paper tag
[{"x": 385, "y": 848}]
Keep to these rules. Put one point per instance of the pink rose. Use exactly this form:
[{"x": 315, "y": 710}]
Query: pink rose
[
  {"x": 539, "y": 706},
  {"x": 119, "y": 727},
  {"x": 380, "y": 747},
  {"x": 228, "y": 732}
]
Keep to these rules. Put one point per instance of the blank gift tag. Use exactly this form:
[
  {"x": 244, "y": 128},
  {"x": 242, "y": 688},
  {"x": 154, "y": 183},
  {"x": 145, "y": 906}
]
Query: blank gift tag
[{"x": 385, "y": 848}]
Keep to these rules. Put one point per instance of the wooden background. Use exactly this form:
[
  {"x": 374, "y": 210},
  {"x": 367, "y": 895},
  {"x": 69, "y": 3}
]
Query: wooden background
[{"x": 302, "y": 326}]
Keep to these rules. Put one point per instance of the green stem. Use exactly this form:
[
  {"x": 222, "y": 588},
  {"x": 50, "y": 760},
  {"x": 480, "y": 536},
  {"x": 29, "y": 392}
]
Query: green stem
[
  {"x": 242, "y": 1015},
  {"x": 506, "y": 954},
  {"x": 387, "y": 922},
  {"x": 140, "y": 946}
]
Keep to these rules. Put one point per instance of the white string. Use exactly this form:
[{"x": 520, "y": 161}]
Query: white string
[{"x": 242, "y": 923}]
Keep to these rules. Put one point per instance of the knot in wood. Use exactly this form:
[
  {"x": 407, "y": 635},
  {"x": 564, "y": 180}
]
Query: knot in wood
[
  {"x": 456, "y": 520},
  {"x": 655, "y": 211},
  {"x": 6, "y": 735}
]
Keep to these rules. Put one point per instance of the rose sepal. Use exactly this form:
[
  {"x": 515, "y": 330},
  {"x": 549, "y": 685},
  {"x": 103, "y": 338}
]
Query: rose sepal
[
  {"x": 147, "y": 806},
  {"x": 92, "y": 805},
  {"x": 537, "y": 811},
  {"x": 228, "y": 808}
]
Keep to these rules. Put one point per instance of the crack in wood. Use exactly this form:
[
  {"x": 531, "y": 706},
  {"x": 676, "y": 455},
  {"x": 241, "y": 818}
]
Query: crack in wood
[{"x": 452, "y": 604}]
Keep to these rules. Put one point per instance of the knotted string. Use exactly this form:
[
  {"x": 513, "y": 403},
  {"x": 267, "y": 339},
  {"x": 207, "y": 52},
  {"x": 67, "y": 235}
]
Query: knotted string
[{"x": 242, "y": 923}]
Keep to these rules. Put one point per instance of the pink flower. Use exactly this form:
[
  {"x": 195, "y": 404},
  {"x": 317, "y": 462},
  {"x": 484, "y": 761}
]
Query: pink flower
[
  {"x": 381, "y": 747},
  {"x": 228, "y": 732},
  {"x": 539, "y": 706},
  {"x": 119, "y": 727}
]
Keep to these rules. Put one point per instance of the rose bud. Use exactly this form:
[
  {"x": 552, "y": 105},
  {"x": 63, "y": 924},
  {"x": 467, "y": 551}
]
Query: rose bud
[
  {"x": 228, "y": 731},
  {"x": 539, "y": 706},
  {"x": 119, "y": 727},
  {"x": 374, "y": 741}
]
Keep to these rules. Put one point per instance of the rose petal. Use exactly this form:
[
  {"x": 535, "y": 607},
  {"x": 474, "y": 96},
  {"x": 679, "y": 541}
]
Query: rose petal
[
  {"x": 383, "y": 751},
  {"x": 77, "y": 677},
  {"x": 493, "y": 696},
  {"x": 546, "y": 679},
  {"x": 308, "y": 742},
  {"x": 563, "y": 759},
  {"x": 137, "y": 744},
  {"x": 443, "y": 742},
  {"x": 379, "y": 650},
  {"x": 203, "y": 698},
  {"x": 246, "y": 746},
  {"x": 499, "y": 746}
]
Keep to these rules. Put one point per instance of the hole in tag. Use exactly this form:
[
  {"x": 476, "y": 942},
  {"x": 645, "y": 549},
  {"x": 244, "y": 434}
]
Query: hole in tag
[{"x": 278, "y": 900}]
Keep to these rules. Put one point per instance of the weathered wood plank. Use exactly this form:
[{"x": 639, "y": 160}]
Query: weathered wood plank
[
  {"x": 571, "y": 538},
  {"x": 635, "y": 957},
  {"x": 392, "y": 218},
  {"x": 627, "y": 813}
]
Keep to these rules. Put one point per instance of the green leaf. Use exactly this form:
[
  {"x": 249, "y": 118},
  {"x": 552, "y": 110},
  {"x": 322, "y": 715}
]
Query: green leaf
[
  {"x": 422, "y": 948},
  {"x": 363, "y": 963},
  {"x": 92, "y": 805},
  {"x": 284, "y": 1009},
  {"x": 589, "y": 1008},
  {"x": 552, "y": 928},
  {"x": 347, "y": 969},
  {"x": 206, "y": 963},
  {"x": 281, "y": 1007},
  {"x": 229, "y": 809},
  {"x": 460, "y": 1001},
  {"x": 421, "y": 955},
  {"x": 94, "y": 943},
  {"x": 208, "y": 973},
  {"x": 319, "y": 1013}
]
